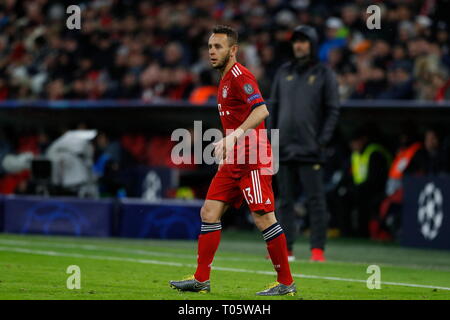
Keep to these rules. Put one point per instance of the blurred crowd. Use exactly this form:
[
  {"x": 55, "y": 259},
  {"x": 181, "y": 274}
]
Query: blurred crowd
[{"x": 154, "y": 50}]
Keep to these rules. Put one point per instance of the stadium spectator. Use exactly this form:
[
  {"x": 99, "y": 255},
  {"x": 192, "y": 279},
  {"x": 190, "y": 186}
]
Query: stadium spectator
[
  {"x": 206, "y": 91},
  {"x": 108, "y": 163},
  {"x": 432, "y": 159},
  {"x": 441, "y": 83},
  {"x": 400, "y": 83},
  {"x": 387, "y": 224},
  {"x": 335, "y": 38},
  {"x": 128, "y": 87},
  {"x": 370, "y": 163}
]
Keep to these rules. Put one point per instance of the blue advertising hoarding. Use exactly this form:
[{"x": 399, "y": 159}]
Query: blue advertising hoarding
[
  {"x": 57, "y": 216},
  {"x": 149, "y": 183},
  {"x": 426, "y": 212},
  {"x": 167, "y": 219}
]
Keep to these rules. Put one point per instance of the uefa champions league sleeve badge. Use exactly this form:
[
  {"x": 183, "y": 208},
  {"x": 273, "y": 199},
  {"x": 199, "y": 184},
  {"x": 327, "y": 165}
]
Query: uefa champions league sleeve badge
[{"x": 248, "y": 88}]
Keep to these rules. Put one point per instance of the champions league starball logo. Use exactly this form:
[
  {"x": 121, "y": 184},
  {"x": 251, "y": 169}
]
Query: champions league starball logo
[
  {"x": 430, "y": 213},
  {"x": 169, "y": 222},
  {"x": 54, "y": 217}
]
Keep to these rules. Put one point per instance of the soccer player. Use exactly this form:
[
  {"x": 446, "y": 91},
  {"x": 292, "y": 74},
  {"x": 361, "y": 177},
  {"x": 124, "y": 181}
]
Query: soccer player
[{"x": 241, "y": 108}]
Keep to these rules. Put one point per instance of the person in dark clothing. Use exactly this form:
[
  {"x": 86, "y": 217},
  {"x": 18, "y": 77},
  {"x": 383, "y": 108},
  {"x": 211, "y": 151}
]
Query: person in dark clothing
[
  {"x": 370, "y": 163},
  {"x": 431, "y": 159},
  {"x": 305, "y": 109},
  {"x": 387, "y": 226},
  {"x": 400, "y": 83}
]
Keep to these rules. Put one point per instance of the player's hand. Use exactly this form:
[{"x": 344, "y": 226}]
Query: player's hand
[{"x": 223, "y": 147}]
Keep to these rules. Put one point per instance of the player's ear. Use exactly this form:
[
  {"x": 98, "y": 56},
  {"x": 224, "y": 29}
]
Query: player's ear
[{"x": 234, "y": 50}]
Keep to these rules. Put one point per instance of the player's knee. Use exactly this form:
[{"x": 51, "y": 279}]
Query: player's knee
[
  {"x": 263, "y": 220},
  {"x": 209, "y": 215},
  {"x": 259, "y": 224}
]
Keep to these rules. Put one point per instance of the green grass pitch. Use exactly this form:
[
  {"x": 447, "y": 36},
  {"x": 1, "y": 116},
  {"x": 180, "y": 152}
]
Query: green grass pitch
[{"x": 34, "y": 267}]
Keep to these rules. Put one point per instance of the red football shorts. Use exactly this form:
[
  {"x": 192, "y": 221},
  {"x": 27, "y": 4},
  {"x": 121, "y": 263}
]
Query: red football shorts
[{"x": 255, "y": 188}]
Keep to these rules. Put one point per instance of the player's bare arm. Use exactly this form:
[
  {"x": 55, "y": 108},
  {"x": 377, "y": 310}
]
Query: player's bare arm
[{"x": 253, "y": 120}]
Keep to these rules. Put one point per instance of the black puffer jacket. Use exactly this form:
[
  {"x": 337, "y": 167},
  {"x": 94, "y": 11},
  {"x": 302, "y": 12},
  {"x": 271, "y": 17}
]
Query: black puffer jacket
[{"x": 304, "y": 106}]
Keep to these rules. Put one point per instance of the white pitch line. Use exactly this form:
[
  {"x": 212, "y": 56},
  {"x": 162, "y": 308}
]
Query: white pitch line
[
  {"x": 176, "y": 264},
  {"x": 118, "y": 249},
  {"x": 127, "y": 250}
]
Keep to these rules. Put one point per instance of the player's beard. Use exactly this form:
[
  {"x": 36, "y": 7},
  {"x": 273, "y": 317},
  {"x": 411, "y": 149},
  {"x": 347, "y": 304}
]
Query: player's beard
[
  {"x": 300, "y": 55},
  {"x": 224, "y": 63},
  {"x": 302, "y": 59}
]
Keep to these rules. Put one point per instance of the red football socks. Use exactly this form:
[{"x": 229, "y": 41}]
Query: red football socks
[
  {"x": 276, "y": 245},
  {"x": 208, "y": 242}
]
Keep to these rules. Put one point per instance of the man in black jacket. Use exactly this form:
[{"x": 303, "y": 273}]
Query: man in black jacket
[{"x": 305, "y": 109}]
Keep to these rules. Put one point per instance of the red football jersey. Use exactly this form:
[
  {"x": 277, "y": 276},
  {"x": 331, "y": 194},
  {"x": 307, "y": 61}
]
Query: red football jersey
[{"x": 238, "y": 95}]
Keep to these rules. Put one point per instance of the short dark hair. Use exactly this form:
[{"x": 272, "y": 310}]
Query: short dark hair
[{"x": 229, "y": 31}]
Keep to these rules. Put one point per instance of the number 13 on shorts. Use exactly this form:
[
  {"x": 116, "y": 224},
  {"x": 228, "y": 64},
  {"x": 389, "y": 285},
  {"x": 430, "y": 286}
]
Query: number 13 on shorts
[
  {"x": 257, "y": 190},
  {"x": 248, "y": 195}
]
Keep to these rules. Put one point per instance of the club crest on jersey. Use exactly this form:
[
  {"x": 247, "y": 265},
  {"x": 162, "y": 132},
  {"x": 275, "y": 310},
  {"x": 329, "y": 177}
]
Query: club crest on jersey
[
  {"x": 224, "y": 91},
  {"x": 248, "y": 88}
]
